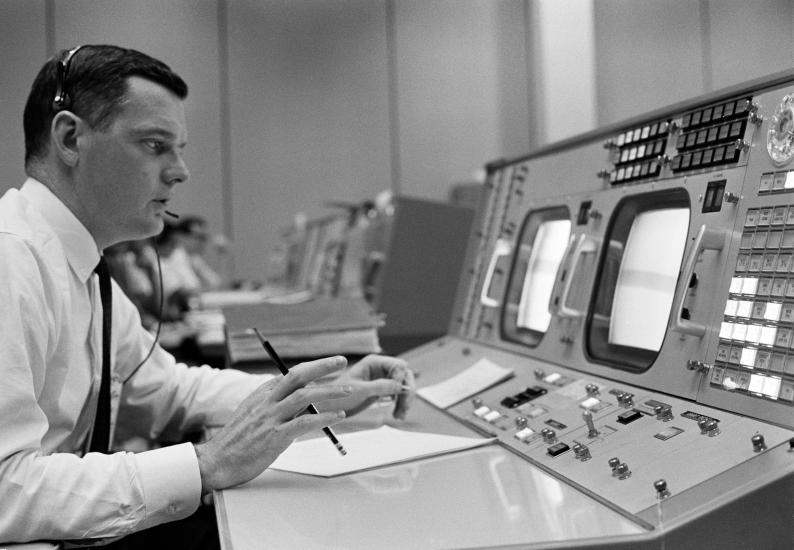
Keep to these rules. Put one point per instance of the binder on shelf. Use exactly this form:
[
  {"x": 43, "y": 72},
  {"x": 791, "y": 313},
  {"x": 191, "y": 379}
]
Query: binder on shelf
[{"x": 316, "y": 328}]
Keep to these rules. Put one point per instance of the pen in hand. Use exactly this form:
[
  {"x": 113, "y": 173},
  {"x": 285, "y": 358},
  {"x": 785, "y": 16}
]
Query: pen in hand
[{"x": 311, "y": 408}]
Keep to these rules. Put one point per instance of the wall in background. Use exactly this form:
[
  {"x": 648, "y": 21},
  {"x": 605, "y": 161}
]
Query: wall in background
[{"x": 296, "y": 104}]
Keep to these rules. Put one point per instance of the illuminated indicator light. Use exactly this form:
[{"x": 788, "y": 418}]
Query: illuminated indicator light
[
  {"x": 730, "y": 307},
  {"x": 749, "y": 285},
  {"x": 624, "y": 156},
  {"x": 552, "y": 378},
  {"x": 739, "y": 331},
  {"x": 621, "y": 139},
  {"x": 748, "y": 357},
  {"x": 753, "y": 334},
  {"x": 492, "y": 416},
  {"x": 771, "y": 387},
  {"x": 729, "y": 384},
  {"x": 789, "y": 181},
  {"x": 772, "y": 312},
  {"x": 726, "y": 330},
  {"x": 633, "y": 153},
  {"x": 524, "y": 434},
  {"x": 768, "y": 335},
  {"x": 589, "y": 403},
  {"x": 641, "y": 151},
  {"x": 535, "y": 412},
  {"x": 646, "y": 132},
  {"x": 481, "y": 411},
  {"x": 744, "y": 308},
  {"x": 736, "y": 285},
  {"x": 756, "y": 383}
]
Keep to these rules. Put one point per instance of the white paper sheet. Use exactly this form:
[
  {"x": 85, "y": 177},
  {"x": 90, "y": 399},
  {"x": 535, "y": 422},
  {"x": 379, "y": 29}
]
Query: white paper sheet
[
  {"x": 368, "y": 449},
  {"x": 481, "y": 375},
  {"x": 647, "y": 278}
]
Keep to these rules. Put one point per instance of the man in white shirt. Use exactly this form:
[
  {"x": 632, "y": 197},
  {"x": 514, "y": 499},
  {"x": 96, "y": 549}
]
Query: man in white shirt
[{"x": 104, "y": 135}]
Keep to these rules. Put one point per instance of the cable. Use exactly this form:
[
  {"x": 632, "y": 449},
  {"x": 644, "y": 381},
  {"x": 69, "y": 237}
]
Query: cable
[{"x": 161, "y": 307}]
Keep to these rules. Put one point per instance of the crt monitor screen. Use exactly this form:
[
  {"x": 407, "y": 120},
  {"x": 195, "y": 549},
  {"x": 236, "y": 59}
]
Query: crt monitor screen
[
  {"x": 541, "y": 247},
  {"x": 637, "y": 277}
]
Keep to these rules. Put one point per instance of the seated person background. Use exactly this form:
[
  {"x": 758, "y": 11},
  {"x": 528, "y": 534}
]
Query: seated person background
[{"x": 196, "y": 241}]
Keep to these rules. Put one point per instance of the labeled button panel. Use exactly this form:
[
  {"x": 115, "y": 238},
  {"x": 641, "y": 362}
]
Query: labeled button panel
[{"x": 755, "y": 352}]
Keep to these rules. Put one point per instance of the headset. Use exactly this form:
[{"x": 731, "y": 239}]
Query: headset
[{"x": 62, "y": 101}]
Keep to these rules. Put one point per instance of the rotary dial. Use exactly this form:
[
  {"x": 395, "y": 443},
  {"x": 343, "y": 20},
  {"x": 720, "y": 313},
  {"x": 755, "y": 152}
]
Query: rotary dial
[{"x": 780, "y": 137}]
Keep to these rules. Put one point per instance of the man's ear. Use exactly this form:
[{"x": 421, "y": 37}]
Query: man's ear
[{"x": 66, "y": 128}]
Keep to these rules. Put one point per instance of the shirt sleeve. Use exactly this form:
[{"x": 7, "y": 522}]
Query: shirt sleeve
[
  {"x": 49, "y": 492},
  {"x": 52, "y": 495}
]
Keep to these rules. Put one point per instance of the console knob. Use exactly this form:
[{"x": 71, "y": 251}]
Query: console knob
[
  {"x": 713, "y": 428},
  {"x": 626, "y": 400},
  {"x": 702, "y": 424},
  {"x": 581, "y": 452},
  {"x": 661, "y": 489},
  {"x": 758, "y": 443},
  {"x": 622, "y": 471},
  {"x": 521, "y": 422},
  {"x": 549, "y": 435},
  {"x": 614, "y": 463},
  {"x": 591, "y": 389},
  {"x": 476, "y": 402},
  {"x": 664, "y": 412},
  {"x": 540, "y": 374}
]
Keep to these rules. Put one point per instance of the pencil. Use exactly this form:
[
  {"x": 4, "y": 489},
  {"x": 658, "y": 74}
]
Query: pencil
[{"x": 311, "y": 408}]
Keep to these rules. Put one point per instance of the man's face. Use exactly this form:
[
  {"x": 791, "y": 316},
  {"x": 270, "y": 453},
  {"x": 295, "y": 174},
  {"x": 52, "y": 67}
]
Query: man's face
[{"x": 126, "y": 174}]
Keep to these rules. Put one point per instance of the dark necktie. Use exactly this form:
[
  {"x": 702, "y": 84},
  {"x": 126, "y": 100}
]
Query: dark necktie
[{"x": 100, "y": 440}]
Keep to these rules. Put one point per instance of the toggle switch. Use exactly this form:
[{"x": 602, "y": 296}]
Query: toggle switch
[
  {"x": 614, "y": 462},
  {"x": 758, "y": 443},
  {"x": 591, "y": 389},
  {"x": 588, "y": 420}
]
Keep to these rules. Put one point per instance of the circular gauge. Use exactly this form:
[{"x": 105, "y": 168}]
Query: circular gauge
[{"x": 780, "y": 137}]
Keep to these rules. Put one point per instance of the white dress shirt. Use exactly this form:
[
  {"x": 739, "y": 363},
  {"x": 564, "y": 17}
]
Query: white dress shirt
[{"x": 50, "y": 369}]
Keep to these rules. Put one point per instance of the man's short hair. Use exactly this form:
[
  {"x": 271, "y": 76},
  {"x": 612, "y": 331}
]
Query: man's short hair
[{"x": 96, "y": 82}]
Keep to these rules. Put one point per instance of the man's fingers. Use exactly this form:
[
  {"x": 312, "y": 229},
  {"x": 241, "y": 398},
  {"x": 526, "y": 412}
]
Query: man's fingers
[
  {"x": 302, "y": 374},
  {"x": 297, "y": 401}
]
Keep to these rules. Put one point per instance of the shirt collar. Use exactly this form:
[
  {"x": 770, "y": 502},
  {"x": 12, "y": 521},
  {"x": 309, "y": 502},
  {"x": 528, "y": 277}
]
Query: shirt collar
[{"x": 78, "y": 244}]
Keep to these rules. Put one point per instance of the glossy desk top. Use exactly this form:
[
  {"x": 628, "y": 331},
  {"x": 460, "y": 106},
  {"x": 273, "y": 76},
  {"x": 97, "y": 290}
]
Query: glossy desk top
[{"x": 481, "y": 497}]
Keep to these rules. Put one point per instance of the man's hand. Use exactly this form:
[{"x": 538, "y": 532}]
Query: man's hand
[
  {"x": 373, "y": 377},
  {"x": 268, "y": 420}
]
